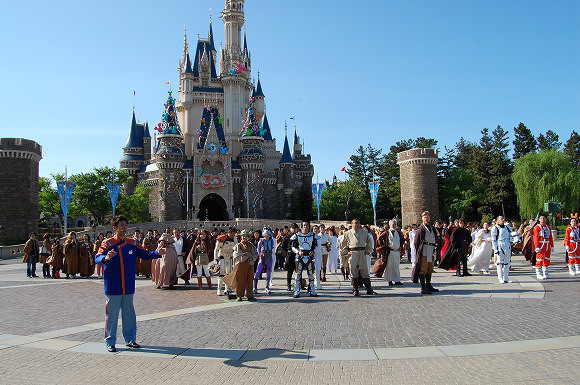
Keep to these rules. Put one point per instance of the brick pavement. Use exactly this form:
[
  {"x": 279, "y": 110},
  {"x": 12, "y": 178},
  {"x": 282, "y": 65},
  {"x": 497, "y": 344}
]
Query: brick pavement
[
  {"x": 333, "y": 320},
  {"x": 50, "y": 367}
]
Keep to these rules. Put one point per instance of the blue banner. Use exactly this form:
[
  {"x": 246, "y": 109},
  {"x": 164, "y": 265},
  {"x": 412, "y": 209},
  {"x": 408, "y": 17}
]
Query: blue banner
[
  {"x": 317, "y": 189},
  {"x": 114, "y": 190},
  {"x": 321, "y": 188},
  {"x": 65, "y": 190},
  {"x": 374, "y": 190}
]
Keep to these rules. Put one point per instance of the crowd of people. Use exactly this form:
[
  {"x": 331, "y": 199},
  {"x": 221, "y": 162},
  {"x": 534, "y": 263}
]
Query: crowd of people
[{"x": 314, "y": 250}]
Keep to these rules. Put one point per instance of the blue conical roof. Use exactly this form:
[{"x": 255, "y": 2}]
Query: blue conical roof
[
  {"x": 135, "y": 139},
  {"x": 266, "y": 129},
  {"x": 286, "y": 156},
  {"x": 259, "y": 91}
]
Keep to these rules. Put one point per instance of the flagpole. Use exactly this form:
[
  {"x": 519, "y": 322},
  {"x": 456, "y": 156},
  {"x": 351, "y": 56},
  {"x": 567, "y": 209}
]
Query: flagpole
[
  {"x": 317, "y": 197},
  {"x": 65, "y": 213}
]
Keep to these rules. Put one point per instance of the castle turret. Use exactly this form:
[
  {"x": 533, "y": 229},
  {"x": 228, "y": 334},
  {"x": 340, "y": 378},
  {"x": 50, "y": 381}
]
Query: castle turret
[
  {"x": 287, "y": 179},
  {"x": 170, "y": 157},
  {"x": 133, "y": 154},
  {"x": 146, "y": 143},
  {"x": 418, "y": 184},
  {"x": 19, "y": 161},
  {"x": 258, "y": 95},
  {"x": 235, "y": 76},
  {"x": 251, "y": 160}
]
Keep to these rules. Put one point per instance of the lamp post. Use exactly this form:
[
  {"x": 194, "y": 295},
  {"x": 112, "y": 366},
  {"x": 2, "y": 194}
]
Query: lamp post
[{"x": 187, "y": 195}]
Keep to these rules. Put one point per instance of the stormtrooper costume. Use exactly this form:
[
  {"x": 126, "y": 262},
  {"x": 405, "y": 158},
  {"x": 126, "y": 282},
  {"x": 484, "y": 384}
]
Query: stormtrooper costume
[
  {"x": 224, "y": 252},
  {"x": 304, "y": 244},
  {"x": 501, "y": 237}
]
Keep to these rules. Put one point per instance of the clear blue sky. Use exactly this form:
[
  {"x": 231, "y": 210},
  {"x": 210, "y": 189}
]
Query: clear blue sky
[{"x": 352, "y": 72}]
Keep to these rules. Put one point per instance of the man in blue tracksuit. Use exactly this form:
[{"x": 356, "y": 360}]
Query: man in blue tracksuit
[{"x": 118, "y": 254}]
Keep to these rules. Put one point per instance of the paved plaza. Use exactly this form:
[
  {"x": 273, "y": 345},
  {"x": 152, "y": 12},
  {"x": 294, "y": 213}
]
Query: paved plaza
[{"x": 474, "y": 331}]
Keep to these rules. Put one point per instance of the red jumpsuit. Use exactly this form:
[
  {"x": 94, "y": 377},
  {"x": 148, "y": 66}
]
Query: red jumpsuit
[
  {"x": 543, "y": 243},
  {"x": 572, "y": 243}
]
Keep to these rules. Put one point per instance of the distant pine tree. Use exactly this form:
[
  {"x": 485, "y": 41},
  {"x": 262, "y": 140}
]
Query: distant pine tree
[
  {"x": 524, "y": 141},
  {"x": 572, "y": 148},
  {"x": 550, "y": 141}
]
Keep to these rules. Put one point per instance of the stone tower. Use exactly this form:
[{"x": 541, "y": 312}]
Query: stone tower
[
  {"x": 133, "y": 153},
  {"x": 19, "y": 161},
  {"x": 418, "y": 184},
  {"x": 252, "y": 163},
  {"x": 170, "y": 157}
]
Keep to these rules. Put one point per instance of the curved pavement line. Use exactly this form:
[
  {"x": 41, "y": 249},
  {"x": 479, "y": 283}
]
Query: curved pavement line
[{"x": 377, "y": 354}]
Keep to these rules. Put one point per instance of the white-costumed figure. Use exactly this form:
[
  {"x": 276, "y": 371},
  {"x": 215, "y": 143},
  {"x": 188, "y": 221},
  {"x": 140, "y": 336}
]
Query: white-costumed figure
[
  {"x": 224, "y": 253},
  {"x": 333, "y": 255},
  {"x": 412, "y": 242},
  {"x": 501, "y": 235},
  {"x": 482, "y": 251}
]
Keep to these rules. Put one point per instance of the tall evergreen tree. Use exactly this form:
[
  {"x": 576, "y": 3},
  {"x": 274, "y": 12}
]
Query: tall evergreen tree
[
  {"x": 500, "y": 192},
  {"x": 572, "y": 148},
  {"x": 550, "y": 141},
  {"x": 524, "y": 141}
]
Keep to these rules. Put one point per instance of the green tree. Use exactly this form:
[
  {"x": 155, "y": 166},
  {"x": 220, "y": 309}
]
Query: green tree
[
  {"x": 524, "y": 141},
  {"x": 135, "y": 206},
  {"x": 550, "y": 141},
  {"x": 48, "y": 203},
  {"x": 302, "y": 202},
  {"x": 500, "y": 196},
  {"x": 345, "y": 201},
  {"x": 91, "y": 194},
  {"x": 572, "y": 148},
  {"x": 544, "y": 176}
]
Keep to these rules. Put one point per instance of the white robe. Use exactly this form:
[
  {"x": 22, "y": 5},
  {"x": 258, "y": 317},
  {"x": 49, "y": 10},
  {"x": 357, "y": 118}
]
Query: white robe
[
  {"x": 332, "y": 263},
  {"x": 412, "y": 243},
  {"x": 482, "y": 252},
  {"x": 393, "y": 271}
]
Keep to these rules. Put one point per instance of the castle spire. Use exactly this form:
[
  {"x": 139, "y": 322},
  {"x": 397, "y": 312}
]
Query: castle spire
[
  {"x": 266, "y": 128},
  {"x": 210, "y": 35},
  {"x": 286, "y": 156},
  {"x": 185, "y": 47},
  {"x": 259, "y": 91},
  {"x": 134, "y": 140}
]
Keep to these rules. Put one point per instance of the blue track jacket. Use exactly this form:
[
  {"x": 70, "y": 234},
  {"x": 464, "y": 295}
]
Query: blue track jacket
[{"x": 119, "y": 272}]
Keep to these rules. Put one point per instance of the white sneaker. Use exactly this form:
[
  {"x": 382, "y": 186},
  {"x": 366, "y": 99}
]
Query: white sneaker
[
  {"x": 571, "y": 270},
  {"x": 220, "y": 293},
  {"x": 577, "y": 269},
  {"x": 545, "y": 272},
  {"x": 539, "y": 274}
]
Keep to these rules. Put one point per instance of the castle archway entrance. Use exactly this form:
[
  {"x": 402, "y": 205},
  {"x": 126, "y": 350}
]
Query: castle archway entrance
[{"x": 213, "y": 208}]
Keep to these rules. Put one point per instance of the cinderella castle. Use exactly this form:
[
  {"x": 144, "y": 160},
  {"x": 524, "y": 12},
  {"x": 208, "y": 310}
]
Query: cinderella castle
[{"x": 213, "y": 156}]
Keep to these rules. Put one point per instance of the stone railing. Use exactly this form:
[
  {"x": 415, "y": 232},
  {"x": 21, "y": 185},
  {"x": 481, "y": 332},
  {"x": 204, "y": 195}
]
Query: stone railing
[{"x": 11, "y": 252}]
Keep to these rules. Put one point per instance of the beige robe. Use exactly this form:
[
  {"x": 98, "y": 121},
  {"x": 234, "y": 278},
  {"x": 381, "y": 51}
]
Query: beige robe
[
  {"x": 358, "y": 259},
  {"x": 167, "y": 273}
]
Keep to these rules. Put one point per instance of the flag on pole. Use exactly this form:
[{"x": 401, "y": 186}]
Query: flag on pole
[
  {"x": 65, "y": 190},
  {"x": 168, "y": 82},
  {"x": 317, "y": 189},
  {"x": 374, "y": 190},
  {"x": 343, "y": 169},
  {"x": 114, "y": 189}
]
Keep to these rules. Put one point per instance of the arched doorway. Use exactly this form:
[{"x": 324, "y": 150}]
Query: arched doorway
[{"x": 213, "y": 208}]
